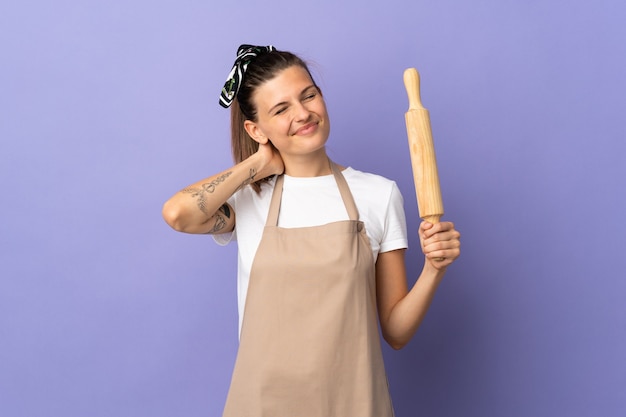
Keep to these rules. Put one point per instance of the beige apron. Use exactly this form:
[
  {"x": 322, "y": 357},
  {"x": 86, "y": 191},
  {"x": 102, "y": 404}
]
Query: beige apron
[{"x": 310, "y": 345}]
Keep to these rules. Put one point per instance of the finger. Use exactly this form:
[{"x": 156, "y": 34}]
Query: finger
[
  {"x": 425, "y": 226},
  {"x": 445, "y": 226},
  {"x": 438, "y": 228},
  {"x": 440, "y": 237},
  {"x": 427, "y": 230},
  {"x": 437, "y": 242},
  {"x": 449, "y": 250},
  {"x": 445, "y": 234},
  {"x": 443, "y": 256},
  {"x": 437, "y": 257}
]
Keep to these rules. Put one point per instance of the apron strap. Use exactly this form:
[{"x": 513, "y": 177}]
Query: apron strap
[
  {"x": 344, "y": 191},
  {"x": 272, "y": 217}
]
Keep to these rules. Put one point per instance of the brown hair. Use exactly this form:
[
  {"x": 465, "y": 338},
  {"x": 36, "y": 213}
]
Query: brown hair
[{"x": 263, "y": 68}]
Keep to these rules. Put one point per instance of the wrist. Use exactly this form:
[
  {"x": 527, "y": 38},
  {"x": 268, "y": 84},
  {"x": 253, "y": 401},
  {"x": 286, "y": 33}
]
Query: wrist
[
  {"x": 431, "y": 272},
  {"x": 257, "y": 166}
]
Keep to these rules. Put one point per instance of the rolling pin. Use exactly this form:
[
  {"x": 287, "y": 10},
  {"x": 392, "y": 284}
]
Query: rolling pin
[{"x": 422, "y": 151}]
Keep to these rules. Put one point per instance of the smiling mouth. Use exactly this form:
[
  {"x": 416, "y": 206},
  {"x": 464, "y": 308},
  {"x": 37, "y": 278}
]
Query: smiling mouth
[{"x": 307, "y": 128}]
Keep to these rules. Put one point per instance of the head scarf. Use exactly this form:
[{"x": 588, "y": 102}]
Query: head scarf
[{"x": 245, "y": 54}]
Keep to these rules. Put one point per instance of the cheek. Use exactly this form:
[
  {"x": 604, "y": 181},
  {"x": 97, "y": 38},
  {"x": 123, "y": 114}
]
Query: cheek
[
  {"x": 322, "y": 110},
  {"x": 281, "y": 125},
  {"x": 276, "y": 129}
]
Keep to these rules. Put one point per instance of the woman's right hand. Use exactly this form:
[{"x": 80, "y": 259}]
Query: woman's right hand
[{"x": 271, "y": 161}]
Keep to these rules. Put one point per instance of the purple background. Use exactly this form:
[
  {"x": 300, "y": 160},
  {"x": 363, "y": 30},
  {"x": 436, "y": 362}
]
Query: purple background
[{"x": 108, "y": 107}]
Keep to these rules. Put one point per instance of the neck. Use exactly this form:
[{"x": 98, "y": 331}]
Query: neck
[{"x": 311, "y": 165}]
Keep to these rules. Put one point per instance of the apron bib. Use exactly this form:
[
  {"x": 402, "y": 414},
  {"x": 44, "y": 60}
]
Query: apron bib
[{"x": 310, "y": 345}]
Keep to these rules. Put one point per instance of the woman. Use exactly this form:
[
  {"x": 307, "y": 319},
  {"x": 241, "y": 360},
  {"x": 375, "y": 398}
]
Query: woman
[{"x": 321, "y": 251}]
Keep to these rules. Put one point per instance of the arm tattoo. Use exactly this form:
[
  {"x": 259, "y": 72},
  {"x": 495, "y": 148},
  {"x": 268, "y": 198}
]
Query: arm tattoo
[
  {"x": 220, "y": 221},
  {"x": 225, "y": 209},
  {"x": 250, "y": 179},
  {"x": 209, "y": 187}
]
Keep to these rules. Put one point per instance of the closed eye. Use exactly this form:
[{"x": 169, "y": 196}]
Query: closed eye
[{"x": 310, "y": 94}]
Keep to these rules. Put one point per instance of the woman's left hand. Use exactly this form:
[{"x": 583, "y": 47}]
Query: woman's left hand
[{"x": 440, "y": 242}]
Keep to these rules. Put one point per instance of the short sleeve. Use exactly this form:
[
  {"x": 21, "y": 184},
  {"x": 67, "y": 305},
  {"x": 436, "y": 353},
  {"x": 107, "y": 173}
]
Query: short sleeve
[{"x": 395, "y": 234}]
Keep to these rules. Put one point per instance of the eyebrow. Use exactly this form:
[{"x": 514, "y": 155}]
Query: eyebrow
[{"x": 282, "y": 103}]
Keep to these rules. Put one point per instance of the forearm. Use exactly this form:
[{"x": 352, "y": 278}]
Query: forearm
[
  {"x": 401, "y": 311},
  {"x": 408, "y": 313},
  {"x": 193, "y": 208}
]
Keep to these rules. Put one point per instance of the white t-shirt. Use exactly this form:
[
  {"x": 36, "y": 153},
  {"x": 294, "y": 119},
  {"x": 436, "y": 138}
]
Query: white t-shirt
[{"x": 313, "y": 201}]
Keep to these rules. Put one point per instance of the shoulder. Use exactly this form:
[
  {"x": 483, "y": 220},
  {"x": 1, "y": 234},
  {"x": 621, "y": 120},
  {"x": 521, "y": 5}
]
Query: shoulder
[
  {"x": 376, "y": 196},
  {"x": 381, "y": 207},
  {"x": 370, "y": 184},
  {"x": 353, "y": 174}
]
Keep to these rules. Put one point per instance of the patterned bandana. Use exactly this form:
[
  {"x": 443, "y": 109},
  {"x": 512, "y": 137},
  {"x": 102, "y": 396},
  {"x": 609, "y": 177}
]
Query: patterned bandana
[{"x": 245, "y": 54}]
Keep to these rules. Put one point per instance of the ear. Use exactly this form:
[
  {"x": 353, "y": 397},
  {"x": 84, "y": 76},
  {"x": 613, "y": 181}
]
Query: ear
[{"x": 255, "y": 132}]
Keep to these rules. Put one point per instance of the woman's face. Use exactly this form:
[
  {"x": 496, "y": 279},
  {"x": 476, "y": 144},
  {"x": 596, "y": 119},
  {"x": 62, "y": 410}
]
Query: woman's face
[{"x": 291, "y": 113}]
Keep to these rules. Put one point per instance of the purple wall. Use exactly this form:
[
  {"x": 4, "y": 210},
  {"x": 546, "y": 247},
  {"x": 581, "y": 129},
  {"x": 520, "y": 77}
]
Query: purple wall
[{"x": 106, "y": 108}]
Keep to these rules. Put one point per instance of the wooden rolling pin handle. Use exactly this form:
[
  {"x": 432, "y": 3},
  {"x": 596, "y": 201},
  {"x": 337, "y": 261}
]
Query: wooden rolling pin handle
[
  {"x": 412, "y": 84},
  {"x": 431, "y": 219}
]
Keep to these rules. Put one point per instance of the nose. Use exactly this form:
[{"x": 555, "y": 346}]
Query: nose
[{"x": 301, "y": 112}]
